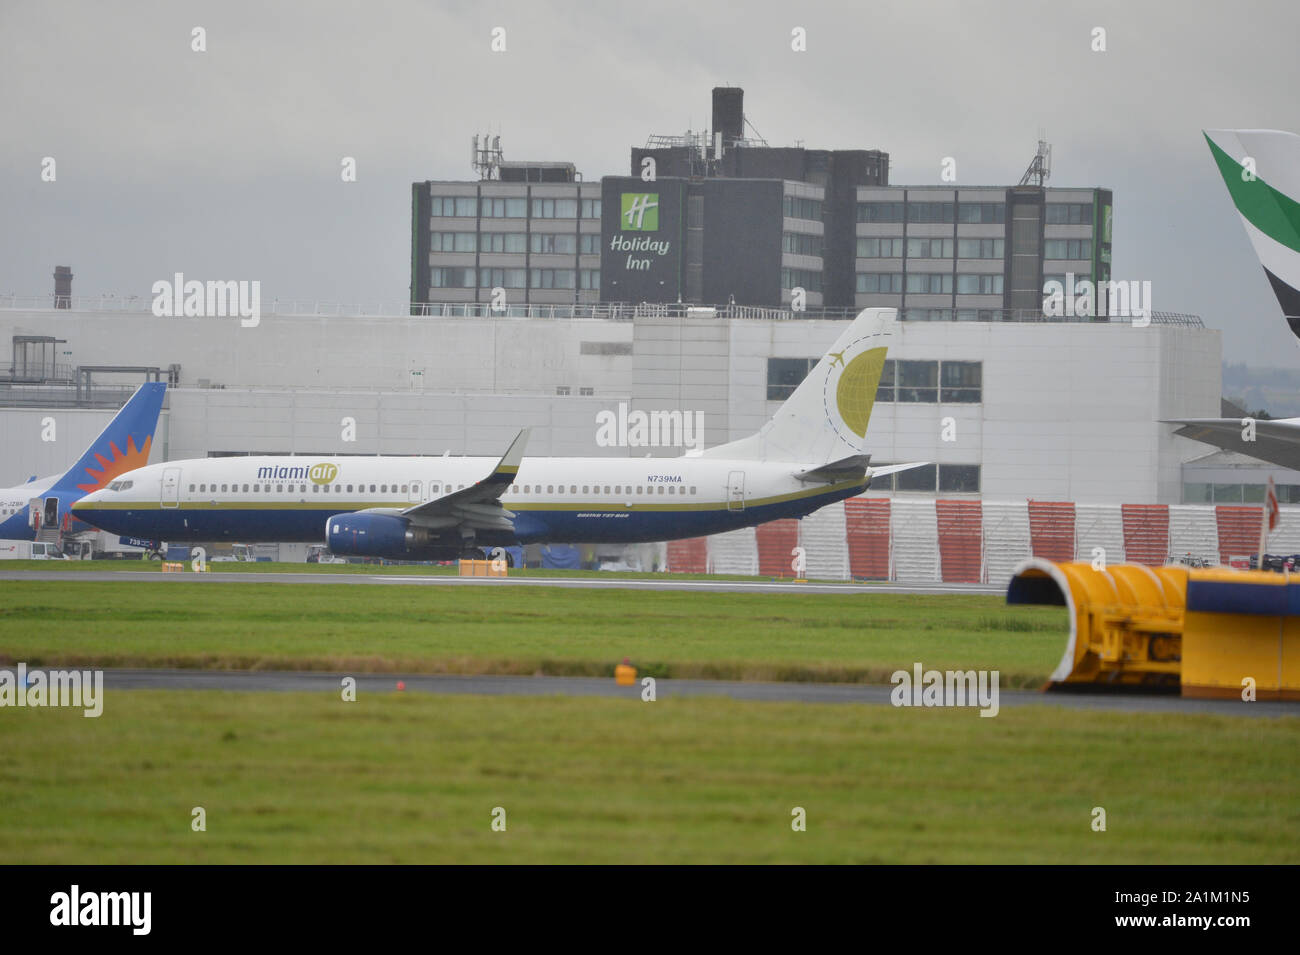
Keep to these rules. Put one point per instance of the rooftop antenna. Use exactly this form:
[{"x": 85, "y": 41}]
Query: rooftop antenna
[
  {"x": 486, "y": 158},
  {"x": 1040, "y": 167}
]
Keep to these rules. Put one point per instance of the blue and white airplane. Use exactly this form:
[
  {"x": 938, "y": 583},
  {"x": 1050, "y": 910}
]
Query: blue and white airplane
[
  {"x": 811, "y": 453},
  {"x": 123, "y": 446}
]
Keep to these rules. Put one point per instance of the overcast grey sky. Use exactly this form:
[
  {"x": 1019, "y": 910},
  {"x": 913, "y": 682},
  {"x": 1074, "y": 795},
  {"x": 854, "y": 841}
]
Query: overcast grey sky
[{"x": 226, "y": 164}]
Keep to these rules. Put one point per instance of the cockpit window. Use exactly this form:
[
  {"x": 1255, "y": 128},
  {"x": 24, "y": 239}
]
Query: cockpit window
[{"x": 121, "y": 485}]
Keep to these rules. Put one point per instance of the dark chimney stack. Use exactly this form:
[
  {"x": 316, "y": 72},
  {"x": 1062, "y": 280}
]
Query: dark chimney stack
[
  {"x": 62, "y": 286},
  {"x": 729, "y": 113}
]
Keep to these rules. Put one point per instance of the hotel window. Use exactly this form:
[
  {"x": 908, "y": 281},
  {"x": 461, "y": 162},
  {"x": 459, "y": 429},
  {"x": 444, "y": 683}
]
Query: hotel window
[
  {"x": 876, "y": 248},
  {"x": 880, "y": 282},
  {"x": 461, "y": 207},
  {"x": 980, "y": 248},
  {"x": 880, "y": 212},
  {"x": 793, "y": 207},
  {"x": 918, "y": 381},
  {"x": 590, "y": 243},
  {"x": 590, "y": 279},
  {"x": 494, "y": 208},
  {"x": 981, "y": 212},
  {"x": 929, "y": 212},
  {"x": 453, "y": 242},
  {"x": 502, "y": 242},
  {"x": 785, "y": 374},
  {"x": 929, "y": 248},
  {"x": 555, "y": 208},
  {"x": 932, "y": 283},
  {"x": 801, "y": 243},
  {"x": 979, "y": 284},
  {"x": 1067, "y": 248},
  {"x": 962, "y": 381},
  {"x": 553, "y": 243},
  {"x": 1068, "y": 213},
  {"x": 451, "y": 278},
  {"x": 503, "y": 278},
  {"x": 806, "y": 279},
  {"x": 552, "y": 278},
  {"x": 591, "y": 208}
]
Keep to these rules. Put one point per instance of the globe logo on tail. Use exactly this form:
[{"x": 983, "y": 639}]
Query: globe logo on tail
[{"x": 851, "y": 389}]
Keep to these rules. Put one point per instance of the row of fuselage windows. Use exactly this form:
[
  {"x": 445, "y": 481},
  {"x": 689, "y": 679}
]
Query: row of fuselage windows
[
  {"x": 616, "y": 490},
  {"x": 434, "y": 489}
]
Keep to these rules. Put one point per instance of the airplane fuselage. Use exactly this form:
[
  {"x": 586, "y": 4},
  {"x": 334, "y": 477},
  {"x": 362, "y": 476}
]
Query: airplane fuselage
[{"x": 589, "y": 500}]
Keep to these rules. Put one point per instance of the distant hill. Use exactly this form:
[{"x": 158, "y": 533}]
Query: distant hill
[{"x": 1275, "y": 390}]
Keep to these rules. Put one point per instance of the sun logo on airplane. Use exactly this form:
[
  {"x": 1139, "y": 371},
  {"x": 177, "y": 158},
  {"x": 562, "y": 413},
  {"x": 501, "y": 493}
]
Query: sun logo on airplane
[
  {"x": 119, "y": 464},
  {"x": 850, "y": 389}
]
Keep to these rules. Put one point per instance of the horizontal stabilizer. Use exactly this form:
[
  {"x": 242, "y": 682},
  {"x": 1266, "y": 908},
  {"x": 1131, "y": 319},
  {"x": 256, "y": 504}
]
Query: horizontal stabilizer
[{"x": 854, "y": 465}]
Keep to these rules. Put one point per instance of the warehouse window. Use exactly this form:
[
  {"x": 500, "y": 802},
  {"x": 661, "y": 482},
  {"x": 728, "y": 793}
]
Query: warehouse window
[
  {"x": 959, "y": 478},
  {"x": 916, "y": 479},
  {"x": 885, "y": 391},
  {"x": 918, "y": 381},
  {"x": 962, "y": 381},
  {"x": 785, "y": 374}
]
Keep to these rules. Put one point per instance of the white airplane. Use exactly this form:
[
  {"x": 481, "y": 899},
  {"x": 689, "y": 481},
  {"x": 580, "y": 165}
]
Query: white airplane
[
  {"x": 1261, "y": 168},
  {"x": 122, "y": 446},
  {"x": 810, "y": 454}
]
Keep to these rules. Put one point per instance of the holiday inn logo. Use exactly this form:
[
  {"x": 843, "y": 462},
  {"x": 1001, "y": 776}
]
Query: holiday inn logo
[{"x": 640, "y": 212}]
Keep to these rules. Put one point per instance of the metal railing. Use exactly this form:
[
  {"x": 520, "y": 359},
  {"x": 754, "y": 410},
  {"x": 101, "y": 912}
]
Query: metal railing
[{"x": 608, "y": 311}]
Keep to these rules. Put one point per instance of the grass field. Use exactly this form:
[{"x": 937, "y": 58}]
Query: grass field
[
  {"x": 413, "y": 778},
  {"x": 852, "y": 637}
]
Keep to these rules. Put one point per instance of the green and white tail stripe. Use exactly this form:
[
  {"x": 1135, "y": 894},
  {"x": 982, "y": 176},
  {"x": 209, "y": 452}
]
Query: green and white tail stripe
[{"x": 1265, "y": 193}]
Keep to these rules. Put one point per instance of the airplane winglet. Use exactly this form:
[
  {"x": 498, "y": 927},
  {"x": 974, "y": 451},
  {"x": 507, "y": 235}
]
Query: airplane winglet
[{"x": 486, "y": 491}]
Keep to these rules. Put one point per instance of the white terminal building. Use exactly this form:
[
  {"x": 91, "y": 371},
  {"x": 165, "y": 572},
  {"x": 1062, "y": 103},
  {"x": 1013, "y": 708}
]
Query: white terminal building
[
  {"x": 1005, "y": 410},
  {"x": 1013, "y": 415}
]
